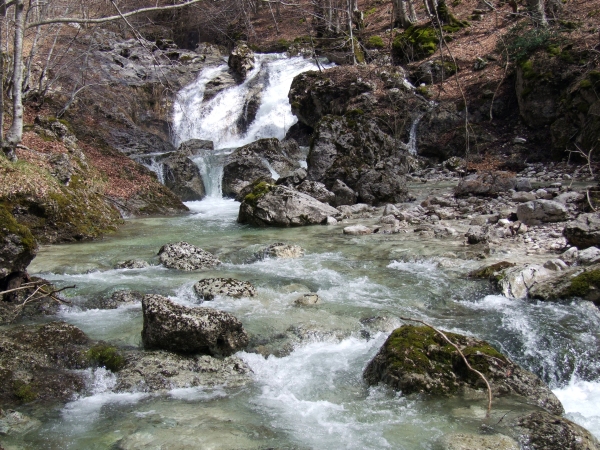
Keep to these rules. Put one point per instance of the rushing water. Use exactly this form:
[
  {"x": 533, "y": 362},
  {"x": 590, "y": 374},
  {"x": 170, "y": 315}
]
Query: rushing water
[{"x": 307, "y": 390}]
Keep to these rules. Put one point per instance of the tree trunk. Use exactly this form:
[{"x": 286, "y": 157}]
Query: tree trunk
[
  {"x": 2, "y": 17},
  {"x": 15, "y": 133},
  {"x": 537, "y": 10},
  {"x": 404, "y": 13}
]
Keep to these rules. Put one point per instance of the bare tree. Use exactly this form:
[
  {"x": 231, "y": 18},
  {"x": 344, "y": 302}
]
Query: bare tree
[{"x": 404, "y": 12}]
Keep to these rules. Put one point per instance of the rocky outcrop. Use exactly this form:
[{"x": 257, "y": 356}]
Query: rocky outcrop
[
  {"x": 280, "y": 206},
  {"x": 241, "y": 60},
  {"x": 185, "y": 256},
  {"x": 584, "y": 231},
  {"x": 183, "y": 177},
  {"x": 17, "y": 247},
  {"x": 253, "y": 161},
  {"x": 173, "y": 327},
  {"x": 418, "y": 360},
  {"x": 539, "y": 211},
  {"x": 209, "y": 288},
  {"x": 160, "y": 371}
]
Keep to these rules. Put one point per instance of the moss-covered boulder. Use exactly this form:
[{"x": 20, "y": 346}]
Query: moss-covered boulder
[
  {"x": 17, "y": 245},
  {"x": 418, "y": 360},
  {"x": 582, "y": 282}
]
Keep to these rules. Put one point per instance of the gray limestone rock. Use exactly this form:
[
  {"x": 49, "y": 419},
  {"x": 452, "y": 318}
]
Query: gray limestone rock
[
  {"x": 173, "y": 327},
  {"x": 185, "y": 256},
  {"x": 209, "y": 288},
  {"x": 584, "y": 231},
  {"x": 539, "y": 211}
]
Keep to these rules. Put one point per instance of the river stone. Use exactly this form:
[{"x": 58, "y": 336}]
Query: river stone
[
  {"x": 184, "y": 256},
  {"x": 133, "y": 264},
  {"x": 516, "y": 282},
  {"x": 543, "y": 431},
  {"x": 357, "y": 230},
  {"x": 153, "y": 371},
  {"x": 485, "y": 184},
  {"x": 209, "y": 288},
  {"x": 464, "y": 441},
  {"x": 584, "y": 231},
  {"x": 180, "y": 329},
  {"x": 538, "y": 211},
  {"x": 307, "y": 300},
  {"x": 281, "y": 206},
  {"x": 120, "y": 298},
  {"x": 418, "y": 360},
  {"x": 523, "y": 197},
  {"x": 281, "y": 250},
  {"x": 477, "y": 234},
  {"x": 13, "y": 422},
  {"x": 590, "y": 255}
]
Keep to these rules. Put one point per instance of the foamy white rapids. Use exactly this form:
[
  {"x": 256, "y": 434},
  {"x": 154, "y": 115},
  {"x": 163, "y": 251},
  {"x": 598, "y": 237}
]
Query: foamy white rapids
[
  {"x": 581, "y": 400},
  {"x": 215, "y": 209},
  {"x": 216, "y": 118}
]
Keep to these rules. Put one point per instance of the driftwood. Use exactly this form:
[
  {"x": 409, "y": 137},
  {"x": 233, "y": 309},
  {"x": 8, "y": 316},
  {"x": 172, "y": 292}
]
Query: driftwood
[
  {"x": 489, "y": 388},
  {"x": 38, "y": 293}
]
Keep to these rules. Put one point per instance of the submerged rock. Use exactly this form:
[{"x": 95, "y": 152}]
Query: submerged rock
[
  {"x": 14, "y": 422},
  {"x": 185, "y": 256},
  {"x": 357, "y": 230},
  {"x": 180, "y": 329},
  {"x": 307, "y": 300},
  {"x": 209, "y": 288},
  {"x": 280, "y": 206},
  {"x": 120, "y": 298},
  {"x": 418, "y": 360},
  {"x": 133, "y": 264},
  {"x": 153, "y": 371},
  {"x": 463, "y": 441},
  {"x": 280, "y": 250}
]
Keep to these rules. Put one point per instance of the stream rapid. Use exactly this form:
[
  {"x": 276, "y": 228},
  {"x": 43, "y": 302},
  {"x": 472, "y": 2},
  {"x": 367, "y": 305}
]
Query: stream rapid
[{"x": 307, "y": 390}]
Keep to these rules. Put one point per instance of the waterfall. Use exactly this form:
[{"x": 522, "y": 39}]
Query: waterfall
[
  {"x": 274, "y": 173},
  {"x": 152, "y": 161},
  {"x": 210, "y": 164},
  {"x": 412, "y": 136},
  {"x": 217, "y": 118}
]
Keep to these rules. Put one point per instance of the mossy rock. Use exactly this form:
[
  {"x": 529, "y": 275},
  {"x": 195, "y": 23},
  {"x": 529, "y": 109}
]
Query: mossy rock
[
  {"x": 104, "y": 355},
  {"x": 25, "y": 392},
  {"x": 417, "y": 359},
  {"x": 17, "y": 245},
  {"x": 258, "y": 191},
  {"x": 375, "y": 42},
  {"x": 585, "y": 285},
  {"x": 416, "y": 42},
  {"x": 493, "y": 272}
]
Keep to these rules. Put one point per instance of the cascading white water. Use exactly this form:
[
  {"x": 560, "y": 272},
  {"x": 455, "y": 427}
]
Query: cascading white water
[
  {"x": 152, "y": 163},
  {"x": 412, "y": 137}
]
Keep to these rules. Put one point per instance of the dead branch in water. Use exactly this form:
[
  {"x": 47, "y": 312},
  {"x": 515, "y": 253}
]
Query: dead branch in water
[{"x": 489, "y": 388}]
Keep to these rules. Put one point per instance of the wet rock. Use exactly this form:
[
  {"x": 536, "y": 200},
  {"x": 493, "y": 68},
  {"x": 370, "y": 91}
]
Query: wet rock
[
  {"x": 539, "y": 211},
  {"x": 133, "y": 264},
  {"x": 209, "y": 288},
  {"x": 194, "y": 147},
  {"x": 477, "y": 234},
  {"x": 464, "y": 441},
  {"x": 518, "y": 281},
  {"x": 343, "y": 194},
  {"x": 556, "y": 265},
  {"x": 241, "y": 60},
  {"x": 307, "y": 300},
  {"x": 255, "y": 161},
  {"x": 590, "y": 255},
  {"x": 13, "y": 422},
  {"x": 331, "y": 221},
  {"x": 570, "y": 255},
  {"x": 584, "y": 231},
  {"x": 183, "y": 177},
  {"x": 184, "y": 256},
  {"x": 316, "y": 190},
  {"x": 281, "y": 206},
  {"x": 485, "y": 184},
  {"x": 294, "y": 178},
  {"x": 358, "y": 230},
  {"x": 180, "y": 329},
  {"x": 37, "y": 363},
  {"x": 280, "y": 250},
  {"x": 418, "y": 360},
  {"x": 155, "y": 371},
  {"x": 17, "y": 246},
  {"x": 582, "y": 282},
  {"x": 493, "y": 272},
  {"x": 120, "y": 298},
  {"x": 543, "y": 431}
]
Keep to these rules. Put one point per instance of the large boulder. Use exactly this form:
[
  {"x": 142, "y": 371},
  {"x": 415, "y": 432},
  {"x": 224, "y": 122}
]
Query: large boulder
[
  {"x": 516, "y": 282},
  {"x": 355, "y": 151},
  {"x": 540, "y": 211},
  {"x": 17, "y": 246},
  {"x": 488, "y": 184},
  {"x": 185, "y": 256},
  {"x": 241, "y": 60},
  {"x": 183, "y": 177},
  {"x": 260, "y": 159},
  {"x": 209, "y": 288},
  {"x": 418, "y": 360},
  {"x": 280, "y": 206},
  {"x": 173, "y": 327},
  {"x": 584, "y": 231},
  {"x": 583, "y": 282}
]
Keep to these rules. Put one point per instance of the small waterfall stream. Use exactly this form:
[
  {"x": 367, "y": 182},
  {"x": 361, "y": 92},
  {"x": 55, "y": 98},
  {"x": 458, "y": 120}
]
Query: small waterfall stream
[{"x": 308, "y": 392}]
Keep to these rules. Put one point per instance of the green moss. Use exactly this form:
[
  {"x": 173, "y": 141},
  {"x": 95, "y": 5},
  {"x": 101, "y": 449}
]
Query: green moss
[
  {"x": 585, "y": 84},
  {"x": 104, "y": 355},
  {"x": 493, "y": 272},
  {"x": 416, "y": 42},
  {"x": 422, "y": 90},
  {"x": 582, "y": 284},
  {"x": 8, "y": 226},
  {"x": 370, "y": 11},
  {"x": 258, "y": 190},
  {"x": 25, "y": 392},
  {"x": 375, "y": 42}
]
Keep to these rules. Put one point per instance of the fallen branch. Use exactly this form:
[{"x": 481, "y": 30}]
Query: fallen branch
[{"x": 489, "y": 388}]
